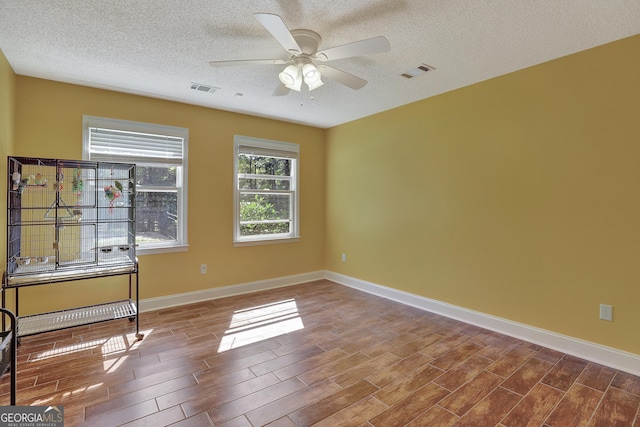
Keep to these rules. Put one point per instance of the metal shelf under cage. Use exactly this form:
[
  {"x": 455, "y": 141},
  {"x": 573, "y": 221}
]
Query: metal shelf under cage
[{"x": 63, "y": 319}]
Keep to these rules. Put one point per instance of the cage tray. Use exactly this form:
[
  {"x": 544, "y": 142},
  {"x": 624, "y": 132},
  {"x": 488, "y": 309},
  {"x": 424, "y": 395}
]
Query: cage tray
[
  {"x": 46, "y": 274},
  {"x": 55, "y": 320}
]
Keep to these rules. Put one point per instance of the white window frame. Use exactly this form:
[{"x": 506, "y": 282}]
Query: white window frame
[
  {"x": 88, "y": 122},
  {"x": 265, "y": 145}
]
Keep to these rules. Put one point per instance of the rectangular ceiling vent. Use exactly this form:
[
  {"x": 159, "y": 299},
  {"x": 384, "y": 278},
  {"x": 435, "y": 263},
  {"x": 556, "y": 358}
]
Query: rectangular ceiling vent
[
  {"x": 418, "y": 71},
  {"x": 203, "y": 88}
]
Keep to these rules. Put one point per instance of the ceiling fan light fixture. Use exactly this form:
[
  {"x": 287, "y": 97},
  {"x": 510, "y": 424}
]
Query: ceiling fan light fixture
[
  {"x": 291, "y": 78},
  {"x": 310, "y": 73},
  {"x": 312, "y": 76},
  {"x": 315, "y": 85}
]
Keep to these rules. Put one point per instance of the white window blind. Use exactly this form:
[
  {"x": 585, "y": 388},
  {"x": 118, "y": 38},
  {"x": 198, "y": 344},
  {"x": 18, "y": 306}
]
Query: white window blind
[{"x": 125, "y": 146}]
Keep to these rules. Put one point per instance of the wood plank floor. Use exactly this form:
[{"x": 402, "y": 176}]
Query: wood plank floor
[{"x": 313, "y": 354}]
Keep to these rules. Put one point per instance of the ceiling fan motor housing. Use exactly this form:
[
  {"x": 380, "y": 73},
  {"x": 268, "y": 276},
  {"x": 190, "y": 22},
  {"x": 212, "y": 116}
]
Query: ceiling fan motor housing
[{"x": 308, "y": 40}]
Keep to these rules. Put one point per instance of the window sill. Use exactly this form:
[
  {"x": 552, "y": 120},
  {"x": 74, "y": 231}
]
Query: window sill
[
  {"x": 162, "y": 250},
  {"x": 257, "y": 242}
]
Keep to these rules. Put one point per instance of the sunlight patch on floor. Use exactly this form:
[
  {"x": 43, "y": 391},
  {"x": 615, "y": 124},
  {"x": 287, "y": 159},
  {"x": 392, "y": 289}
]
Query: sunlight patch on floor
[
  {"x": 108, "y": 346},
  {"x": 260, "y": 323},
  {"x": 66, "y": 394},
  {"x": 112, "y": 365}
]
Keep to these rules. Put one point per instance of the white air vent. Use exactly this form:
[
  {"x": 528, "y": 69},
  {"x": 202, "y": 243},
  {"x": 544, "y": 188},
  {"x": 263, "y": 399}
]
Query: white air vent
[
  {"x": 203, "y": 88},
  {"x": 418, "y": 71}
]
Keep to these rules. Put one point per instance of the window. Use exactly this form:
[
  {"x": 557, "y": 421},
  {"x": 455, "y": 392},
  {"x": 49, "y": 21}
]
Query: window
[
  {"x": 266, "y": 190},
  {"x": 160, "y": 155}
]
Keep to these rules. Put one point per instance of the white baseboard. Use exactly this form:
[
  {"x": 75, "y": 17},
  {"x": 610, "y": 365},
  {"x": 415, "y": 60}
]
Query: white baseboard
[
  {"x": 226, "y": 291},
  {"x": 614, "y": 358}
]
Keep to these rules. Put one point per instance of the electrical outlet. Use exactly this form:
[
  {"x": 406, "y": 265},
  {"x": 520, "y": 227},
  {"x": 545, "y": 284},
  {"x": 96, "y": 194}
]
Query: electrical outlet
[
  {"x": 606, "y": 312},
  {"x": 203, "y": 268},
  {"x": 344, "y": 257}
]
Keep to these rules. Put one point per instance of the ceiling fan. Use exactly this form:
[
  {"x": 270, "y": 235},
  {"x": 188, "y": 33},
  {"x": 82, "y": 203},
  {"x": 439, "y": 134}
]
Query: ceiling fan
[{"x": 302, "y": 46}]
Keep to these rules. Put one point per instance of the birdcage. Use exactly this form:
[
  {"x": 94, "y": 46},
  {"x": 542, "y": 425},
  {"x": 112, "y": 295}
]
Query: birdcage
[{"x": 69, "y": 220}]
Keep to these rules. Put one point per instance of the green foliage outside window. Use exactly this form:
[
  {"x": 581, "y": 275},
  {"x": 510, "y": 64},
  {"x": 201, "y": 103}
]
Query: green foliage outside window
[
  {"x": 259, "y": 209},
  {"x": 264, "y": 165},
  {"x": 264, "y": 173}
]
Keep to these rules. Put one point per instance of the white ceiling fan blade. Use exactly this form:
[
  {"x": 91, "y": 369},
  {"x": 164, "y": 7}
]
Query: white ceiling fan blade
[
  {"x": 278, "y": 29},
  {"x": 363, "y": 47},
  {"x": 281, "y": 90},
  {"x": 234, "y": 63},
  {"x": 349, "y": 80}
]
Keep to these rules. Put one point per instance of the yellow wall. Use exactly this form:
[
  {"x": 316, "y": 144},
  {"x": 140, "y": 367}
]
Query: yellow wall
[
  {"x": 518, "y": 197},
  {"x": 49, "y": 124},
  {"x": 7, "y": 107}
]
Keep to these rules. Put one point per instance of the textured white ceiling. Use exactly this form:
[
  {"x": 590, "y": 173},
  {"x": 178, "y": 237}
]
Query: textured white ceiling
[{"x": 158, "y": 48}]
